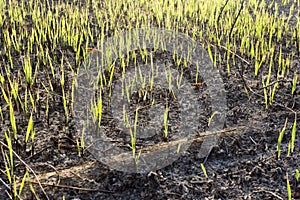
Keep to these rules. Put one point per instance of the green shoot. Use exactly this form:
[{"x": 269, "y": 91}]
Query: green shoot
[
  {"x": 133, "y": 134},
  {"x": 27, "y": 68},
  {"x": 82, "y": 141},
  {"x": 29, "y": 129},
  {"x": 12, "y": 119},
  {"x": 265, "y": 94},
  {"x": 288, "y": 187},
  {"x": 9, "y": 164},
  {"x": 98, "y": 110},
  {"x": 273, "y": 93},
  {"x": 294, "y": 129},
  {"x": 23, "y": 182},
  {"x": 295, "y": 79},
  {"x": 204, "y": 170},
  {"x": 65, "y": 101},
  {"x": 289, "y": 148},
  {"x": 280, "y": 138},
  {"x": 1, "y": 113},
  {"x": 166, "y": 114},
  {"x": 210, "y": 53},
  {"x": 211, "y": 118}
]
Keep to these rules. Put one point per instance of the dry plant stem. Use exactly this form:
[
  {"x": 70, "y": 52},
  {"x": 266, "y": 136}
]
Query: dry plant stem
[
  {"x": 51, "y": 166},
  {"x": 28, "y": 167},
  {"x": 64, "y": 172},
  {"x": 221, "y": 11},
  {"x": 7, "y": 186},
  {"x": 225, "y": 48},
  {"x": 264, "y": 190},
  {"x": 269, "y": 85},
  {"x": 235, "y": 20},
  {"x": 9, "y": 195},
  {"x": 67, "y": 173},
  {"x": 73, "y": 187},
  {"x": 39, "y": 152},
  {"x": 274, "y": 102},
  {"x": 199, "y": 138}
]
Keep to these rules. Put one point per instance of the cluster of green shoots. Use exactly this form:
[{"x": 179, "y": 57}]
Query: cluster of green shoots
[{"x": 33, "y": 34}]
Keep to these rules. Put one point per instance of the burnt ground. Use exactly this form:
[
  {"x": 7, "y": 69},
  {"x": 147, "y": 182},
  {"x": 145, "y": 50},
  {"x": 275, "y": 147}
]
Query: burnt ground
[{"x": 243, "y": 165}]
